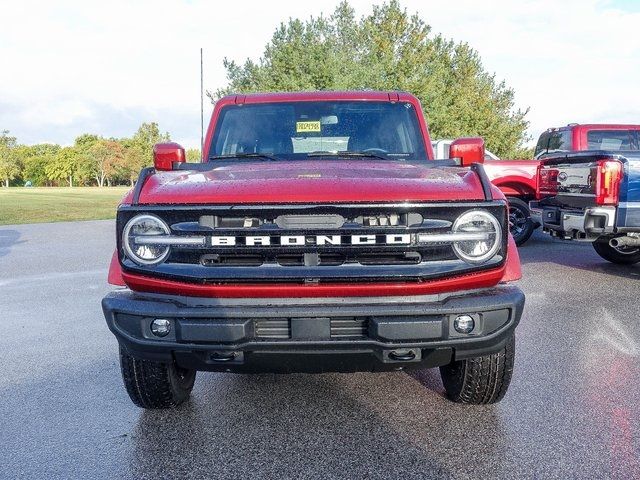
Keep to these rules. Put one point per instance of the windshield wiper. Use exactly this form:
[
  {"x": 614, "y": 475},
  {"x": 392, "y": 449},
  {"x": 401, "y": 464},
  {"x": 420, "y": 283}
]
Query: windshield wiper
[
  {"x": 348, "y": 153},
  {"x": 240, "y": 156}
]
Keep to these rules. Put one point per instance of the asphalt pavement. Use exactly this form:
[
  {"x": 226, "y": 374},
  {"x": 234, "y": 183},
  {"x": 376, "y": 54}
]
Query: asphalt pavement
[{"x": 572, "y": 410}]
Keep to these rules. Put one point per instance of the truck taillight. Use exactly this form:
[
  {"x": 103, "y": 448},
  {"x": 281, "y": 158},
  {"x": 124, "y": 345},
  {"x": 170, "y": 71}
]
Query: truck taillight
[
  {"x": 547, "y": 182},
  {"x": 608, "y": 177}
]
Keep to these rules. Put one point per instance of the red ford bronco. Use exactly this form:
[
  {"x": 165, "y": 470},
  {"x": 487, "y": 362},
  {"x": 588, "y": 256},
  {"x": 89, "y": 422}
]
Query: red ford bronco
[{"x": 318, "y": 234}]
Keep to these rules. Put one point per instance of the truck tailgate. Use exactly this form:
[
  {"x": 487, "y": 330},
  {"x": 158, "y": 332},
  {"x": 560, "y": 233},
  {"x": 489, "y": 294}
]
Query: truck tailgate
[{"x": 576, "y": 180}]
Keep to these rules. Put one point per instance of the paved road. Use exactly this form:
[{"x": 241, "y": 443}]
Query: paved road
[{"x": 572, "y": 410}]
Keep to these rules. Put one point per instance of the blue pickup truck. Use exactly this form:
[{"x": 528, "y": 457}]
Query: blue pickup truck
[{"x": 593, "y": 196}]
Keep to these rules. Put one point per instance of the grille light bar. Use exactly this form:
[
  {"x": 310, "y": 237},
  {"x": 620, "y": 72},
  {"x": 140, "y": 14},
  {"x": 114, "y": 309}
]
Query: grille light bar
[
  {"x": 169, "y": 240},
  {"x": 452, "y": 237}
]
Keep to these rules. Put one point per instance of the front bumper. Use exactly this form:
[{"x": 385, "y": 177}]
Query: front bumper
[
  {"x": 313, "y": 334},
  {"x": 574, "y": 224}
]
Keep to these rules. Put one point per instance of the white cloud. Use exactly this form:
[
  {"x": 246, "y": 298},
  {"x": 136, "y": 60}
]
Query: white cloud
[{"x": 74, "y": 66}]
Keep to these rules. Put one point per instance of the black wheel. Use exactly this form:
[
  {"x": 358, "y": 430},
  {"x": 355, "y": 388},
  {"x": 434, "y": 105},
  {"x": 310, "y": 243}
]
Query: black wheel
[
  {"x": 619, "y": 255},
  {"x": 520, "y": 223},
  {"x": 480, "y": 380},
  {"x": 155, "y": 384}
]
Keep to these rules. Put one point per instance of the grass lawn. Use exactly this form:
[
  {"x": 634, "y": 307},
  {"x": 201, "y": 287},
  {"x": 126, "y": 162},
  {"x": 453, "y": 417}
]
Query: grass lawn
[{"x": 53, "y": 204}]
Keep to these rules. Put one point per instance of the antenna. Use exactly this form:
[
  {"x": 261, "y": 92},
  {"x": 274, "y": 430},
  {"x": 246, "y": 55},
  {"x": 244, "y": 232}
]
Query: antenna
[{"x": 201, "y": 107}]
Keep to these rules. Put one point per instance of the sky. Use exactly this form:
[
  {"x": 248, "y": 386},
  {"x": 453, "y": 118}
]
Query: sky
[{"x": 80, "y": 66}]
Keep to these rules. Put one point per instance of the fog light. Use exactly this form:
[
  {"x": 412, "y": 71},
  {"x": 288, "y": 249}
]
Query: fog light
[
  {"x": 160, "y": 327},
  {"x": 464, "y": 324}
]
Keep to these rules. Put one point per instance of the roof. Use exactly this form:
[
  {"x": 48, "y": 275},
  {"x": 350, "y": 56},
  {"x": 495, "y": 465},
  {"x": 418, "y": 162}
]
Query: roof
[
  {"x": 603, "y": 126},
  {"x": 371, "y": 95}
]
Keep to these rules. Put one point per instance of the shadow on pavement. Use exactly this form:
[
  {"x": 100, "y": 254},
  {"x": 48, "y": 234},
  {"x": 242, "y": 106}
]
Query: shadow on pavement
[
  {"x": 8, "y": 238},
  {"x": 541, "y": 248},
  {"x": 311, "y": 426}
]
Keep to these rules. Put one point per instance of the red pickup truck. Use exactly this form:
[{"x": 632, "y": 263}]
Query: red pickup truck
[
  {"x": 577, "y": 137},
  {"x": 589, "y": 187},
  {"x": 318, "y": 234},
  {"x": 516, "y": 179}
]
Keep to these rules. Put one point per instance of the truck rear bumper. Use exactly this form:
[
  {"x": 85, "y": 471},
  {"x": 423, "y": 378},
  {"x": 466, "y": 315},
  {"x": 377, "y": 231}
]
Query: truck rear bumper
[
  {"x": 313, "y": 334},
  {"x": 586, "y": 224}
]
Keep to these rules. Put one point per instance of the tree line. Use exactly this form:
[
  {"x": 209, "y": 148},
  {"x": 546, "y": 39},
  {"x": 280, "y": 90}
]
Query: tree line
[{"x": 91, "y": 161}]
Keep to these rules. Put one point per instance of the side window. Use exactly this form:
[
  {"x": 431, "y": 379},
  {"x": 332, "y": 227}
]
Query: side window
[
  {"x": 611, "y": 140},
  {"x": 554, "y": 141},
  {"x": 560, "y": 141},
  {"x": 543, "y": 142}
]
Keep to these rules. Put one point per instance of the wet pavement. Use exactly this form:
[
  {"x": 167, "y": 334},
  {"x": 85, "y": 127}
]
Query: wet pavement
[{"x": 572, "y": 410}]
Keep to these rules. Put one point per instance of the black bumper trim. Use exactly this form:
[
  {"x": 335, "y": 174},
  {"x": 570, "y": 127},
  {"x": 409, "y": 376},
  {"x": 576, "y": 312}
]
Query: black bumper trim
[{"x": 204, "y": 334}]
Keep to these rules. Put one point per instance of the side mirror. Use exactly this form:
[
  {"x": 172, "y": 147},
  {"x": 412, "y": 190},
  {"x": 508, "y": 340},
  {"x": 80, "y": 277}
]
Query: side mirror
[
  {"x": 165, "y": 154},
  {"x": 469, "y": 150}
]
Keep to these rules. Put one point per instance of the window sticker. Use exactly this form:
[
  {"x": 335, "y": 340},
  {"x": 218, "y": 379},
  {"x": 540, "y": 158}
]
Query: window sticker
[
  {"x": 610, "y": 144},
  {"x": 308, "y": 126}
]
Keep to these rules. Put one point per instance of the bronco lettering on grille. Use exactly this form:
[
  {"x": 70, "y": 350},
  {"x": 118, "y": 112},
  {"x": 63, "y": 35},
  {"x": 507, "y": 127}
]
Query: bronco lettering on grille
[{"x": 301, "y": 240}]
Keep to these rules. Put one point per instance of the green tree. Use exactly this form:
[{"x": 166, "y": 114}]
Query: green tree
[
  {"x": 64, "y": 165},
  {"x": 84, "y": 142},
  {"x": 9, "y": 166},
  {"x": 134, "y": 159},
  {"x": 388, "y": 50},
  {"x": 193, "y": 155},
  {"x": 104, "y": 157},
  {"x": 138, "y": 150},
  {"x": 147, "y": 136},
  {"x": 34, "y": 159}
]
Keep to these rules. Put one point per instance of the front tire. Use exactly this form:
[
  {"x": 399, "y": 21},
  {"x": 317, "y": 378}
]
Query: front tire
[
  {"x": 480, "y": 380},
  {"x": 520, "y": 224},
  {"x": 621, "y": 256},
  {"x": 155, "y": 385}
]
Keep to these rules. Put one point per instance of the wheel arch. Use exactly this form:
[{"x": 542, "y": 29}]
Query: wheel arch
[{"x": 517, "y": 189}]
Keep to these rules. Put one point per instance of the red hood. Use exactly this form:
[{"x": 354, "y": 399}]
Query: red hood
[{"x": 312, "y": 181}]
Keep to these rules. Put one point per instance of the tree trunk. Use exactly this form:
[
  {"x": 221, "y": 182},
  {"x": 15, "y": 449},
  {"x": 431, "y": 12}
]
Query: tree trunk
[
  {"x": 6, "y": 182},
  {"x": 70, "y": 181}
]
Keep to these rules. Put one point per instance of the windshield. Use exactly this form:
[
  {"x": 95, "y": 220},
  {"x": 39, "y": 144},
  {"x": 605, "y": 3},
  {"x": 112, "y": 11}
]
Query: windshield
[{"x": 299, "y": 130}]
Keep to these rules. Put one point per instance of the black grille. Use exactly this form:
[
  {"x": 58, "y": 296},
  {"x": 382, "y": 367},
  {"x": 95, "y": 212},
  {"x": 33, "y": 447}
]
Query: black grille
[
  {"x": 273, "y": 328},
  {"x": 348, "y": 327},
  {"x": 341, "y": 328},
  {"x": 310, "y": 259}
]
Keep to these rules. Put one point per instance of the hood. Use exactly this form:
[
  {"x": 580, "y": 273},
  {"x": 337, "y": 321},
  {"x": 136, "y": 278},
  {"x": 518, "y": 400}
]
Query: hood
[{"x": 312, "y": 181}]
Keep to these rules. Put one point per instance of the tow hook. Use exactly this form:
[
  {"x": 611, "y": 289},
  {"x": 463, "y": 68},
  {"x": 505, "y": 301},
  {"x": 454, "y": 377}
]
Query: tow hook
[{"x": 402, "y": 355}]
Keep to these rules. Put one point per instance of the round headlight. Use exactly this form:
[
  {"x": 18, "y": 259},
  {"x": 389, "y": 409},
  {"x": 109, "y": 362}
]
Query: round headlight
[
  {"x": 485, "y": 236},
  {"x": 133, "y": 239}
]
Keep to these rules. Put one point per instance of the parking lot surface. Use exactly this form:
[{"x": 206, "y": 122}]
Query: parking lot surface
[{"x": 571, "y": 412}]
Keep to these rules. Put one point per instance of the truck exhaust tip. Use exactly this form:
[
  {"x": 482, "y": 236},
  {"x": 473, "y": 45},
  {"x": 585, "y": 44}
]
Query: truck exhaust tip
[{"x": 626, "y": 241}]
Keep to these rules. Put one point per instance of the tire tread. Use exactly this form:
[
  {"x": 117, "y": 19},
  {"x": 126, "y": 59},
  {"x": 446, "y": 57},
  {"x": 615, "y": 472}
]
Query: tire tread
[
  {"x": 149, "y": 384},
  {"x": 610, "y": 254},
  {"x": 481, "y": 380}
]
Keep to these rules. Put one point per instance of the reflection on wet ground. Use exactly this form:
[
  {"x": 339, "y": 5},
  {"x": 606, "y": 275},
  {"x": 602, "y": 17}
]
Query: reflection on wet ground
[{"x": 571, "y": 411}]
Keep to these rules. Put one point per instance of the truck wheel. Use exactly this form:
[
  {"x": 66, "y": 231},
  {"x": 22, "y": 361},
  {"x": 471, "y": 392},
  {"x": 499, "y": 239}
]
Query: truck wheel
[
  {"x": 619, "y": 255},
  {"x": 520, "y": 223},
  {"x": 155, "y": 384},
  {"x": 480, "y": 380}
]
